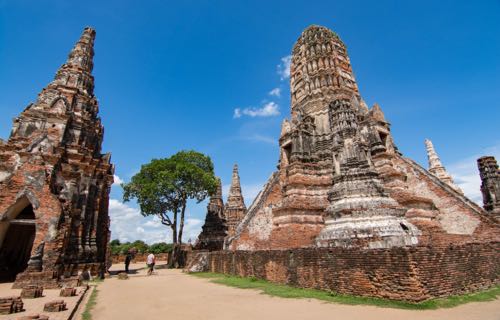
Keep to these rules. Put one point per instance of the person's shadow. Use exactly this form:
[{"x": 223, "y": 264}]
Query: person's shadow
[{"x": 130, "y": 271}]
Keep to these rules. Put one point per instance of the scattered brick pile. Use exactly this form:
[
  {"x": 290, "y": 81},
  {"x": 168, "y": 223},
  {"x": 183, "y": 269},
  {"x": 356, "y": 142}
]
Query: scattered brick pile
[
  {"x": 34, "y": 316},
  {"x": 10, "y": 305},
  {"x": 55, "y": 306},
  {"x": 31, "y": 292},
  {"x": 67, "y": 292},
  {"x": 122, "y": 276}
]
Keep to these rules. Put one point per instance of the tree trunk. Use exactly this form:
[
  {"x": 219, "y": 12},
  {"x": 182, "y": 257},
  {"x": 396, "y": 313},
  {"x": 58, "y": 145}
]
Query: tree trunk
[
  {"x": 174, "y": 234},
  {"x": 174, "y": 228},
  {"x": 181, "y": 226},
  {"x": 173, "y": 257}
]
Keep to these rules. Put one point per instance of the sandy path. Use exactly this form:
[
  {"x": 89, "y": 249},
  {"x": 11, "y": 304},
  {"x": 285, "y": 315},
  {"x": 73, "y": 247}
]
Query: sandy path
[{"x": 170, "y": 294}]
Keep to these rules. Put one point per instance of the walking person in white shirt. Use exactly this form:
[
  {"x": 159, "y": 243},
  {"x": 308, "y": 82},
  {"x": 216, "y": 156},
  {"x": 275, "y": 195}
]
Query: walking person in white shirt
[{"x": 150, "y": 261}]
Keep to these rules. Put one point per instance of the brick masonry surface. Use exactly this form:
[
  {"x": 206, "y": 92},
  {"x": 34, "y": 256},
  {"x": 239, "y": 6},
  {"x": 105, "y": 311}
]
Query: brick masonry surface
[
  {"x": 403, "y": 273},
  {"x": 116, "y": 259}
]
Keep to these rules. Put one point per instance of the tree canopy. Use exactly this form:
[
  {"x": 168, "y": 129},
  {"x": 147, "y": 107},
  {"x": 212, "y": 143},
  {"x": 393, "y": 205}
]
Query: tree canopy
[
  {"x": 139, "y": 246},
  {"x": 164, "y": 186}
]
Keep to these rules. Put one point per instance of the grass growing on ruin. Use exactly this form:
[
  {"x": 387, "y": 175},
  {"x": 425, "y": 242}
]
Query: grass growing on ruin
[
  {"x": 285, "y": 291},
  {"x": 90, "y": 305}
]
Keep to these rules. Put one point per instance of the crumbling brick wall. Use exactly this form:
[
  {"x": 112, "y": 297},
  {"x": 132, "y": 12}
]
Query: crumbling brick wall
[
  {"x": 403, "y": 273},
  {"x": 139, "y": 258}
]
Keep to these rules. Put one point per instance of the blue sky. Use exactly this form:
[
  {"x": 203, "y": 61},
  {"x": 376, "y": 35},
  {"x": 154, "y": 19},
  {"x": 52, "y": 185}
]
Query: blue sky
[{"x": 170, "y": 75}]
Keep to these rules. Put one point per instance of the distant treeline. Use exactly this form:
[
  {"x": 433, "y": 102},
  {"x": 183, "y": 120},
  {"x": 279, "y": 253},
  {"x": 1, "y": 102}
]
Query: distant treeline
[{"x": 140, "y": 247}]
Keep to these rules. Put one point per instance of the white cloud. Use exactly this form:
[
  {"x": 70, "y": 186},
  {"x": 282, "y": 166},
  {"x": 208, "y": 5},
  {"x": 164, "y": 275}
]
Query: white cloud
[
  {"x": 117, "y": 180},
  {"x": 139, "y": 230},
  {"x": 192, "y": 229},
  {"x": 267, "y": 110},
  {"x": 154, "y": 223},
  {"x": 261, "y": 138},
  {"x": 127, "y": 224},
  {"x": 275, "y": 92},
  {"x": 466, "y": 174},
  {"x": 283, "y": 68},
  {"x": 237, "y": 113}
]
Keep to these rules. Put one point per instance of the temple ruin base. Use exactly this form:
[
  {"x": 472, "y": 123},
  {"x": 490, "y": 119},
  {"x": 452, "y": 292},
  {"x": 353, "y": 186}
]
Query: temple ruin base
[{"x": 412, "y": 274}]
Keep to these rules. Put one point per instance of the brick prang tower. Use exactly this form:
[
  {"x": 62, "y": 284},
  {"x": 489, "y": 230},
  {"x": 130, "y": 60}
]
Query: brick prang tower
[
  {"x": 235, "y": 208},
  {"x": 54, "y": 179}
]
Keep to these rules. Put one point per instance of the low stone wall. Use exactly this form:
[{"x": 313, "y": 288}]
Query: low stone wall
[
  {"x": 410, "y": 273},
  {"x": 140, "y": 257}
]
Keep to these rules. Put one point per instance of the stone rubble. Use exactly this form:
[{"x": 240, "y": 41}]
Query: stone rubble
[
  {"x": 32, "y": 292},
  {"x": 10, "y": 305},
  {"x": 34, "y": 317},
  {"x": 67, "y": 292},
  {"x": 55, "y": 306}
]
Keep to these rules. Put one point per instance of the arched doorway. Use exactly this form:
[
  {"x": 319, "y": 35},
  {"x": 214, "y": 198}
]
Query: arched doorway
[{"x": 19, "y": 234}]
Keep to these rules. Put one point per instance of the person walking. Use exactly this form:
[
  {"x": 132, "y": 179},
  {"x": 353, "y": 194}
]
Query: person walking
[
  {"x": 128, "y": 259},
  {"x": 151, "y": 259}
]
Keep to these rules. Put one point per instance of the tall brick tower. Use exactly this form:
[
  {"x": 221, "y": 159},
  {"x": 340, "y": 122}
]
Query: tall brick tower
[
  {"x": 54, "y": 181},
  {"x": 235, "y": 208},
  {"x": 490, "y": 184},
  {"x": 341, "y": 180},
  {"x": 320, "y": 72}
]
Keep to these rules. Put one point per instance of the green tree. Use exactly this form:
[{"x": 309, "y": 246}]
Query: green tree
[
  {"x": 164, "y": 186},
  {"x": 160, "y": 247},
  {"x": 140, "y": 245}
]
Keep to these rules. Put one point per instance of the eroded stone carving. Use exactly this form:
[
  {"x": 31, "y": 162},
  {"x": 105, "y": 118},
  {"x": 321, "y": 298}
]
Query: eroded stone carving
[
  {"x": 36, "y": 260},
  {"x": 360, "y": 212}
]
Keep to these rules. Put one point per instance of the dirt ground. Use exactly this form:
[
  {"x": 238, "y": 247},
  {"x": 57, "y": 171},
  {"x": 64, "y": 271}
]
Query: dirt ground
[{"x": 170, "y": 294}]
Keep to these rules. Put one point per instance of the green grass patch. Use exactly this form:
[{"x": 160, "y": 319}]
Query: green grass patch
[
  {"x": 285, "y": 291},
  {"x": 86, "y": 315},
  {"x": 94, "y": 281}
]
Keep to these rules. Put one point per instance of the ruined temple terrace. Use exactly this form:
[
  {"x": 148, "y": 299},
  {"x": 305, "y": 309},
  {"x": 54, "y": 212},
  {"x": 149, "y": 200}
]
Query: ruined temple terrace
[{"x": 249, "y": 160}]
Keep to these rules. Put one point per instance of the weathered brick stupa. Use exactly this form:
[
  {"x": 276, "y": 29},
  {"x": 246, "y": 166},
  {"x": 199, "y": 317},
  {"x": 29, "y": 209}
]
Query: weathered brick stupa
[
  {"x": 221, "y": 220},
  {"x": 341, "y": 181},
  {"x": 235, "y": 208},
  {"x": 54, "y": 181},
  {"x": 214, "y": 231}
]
